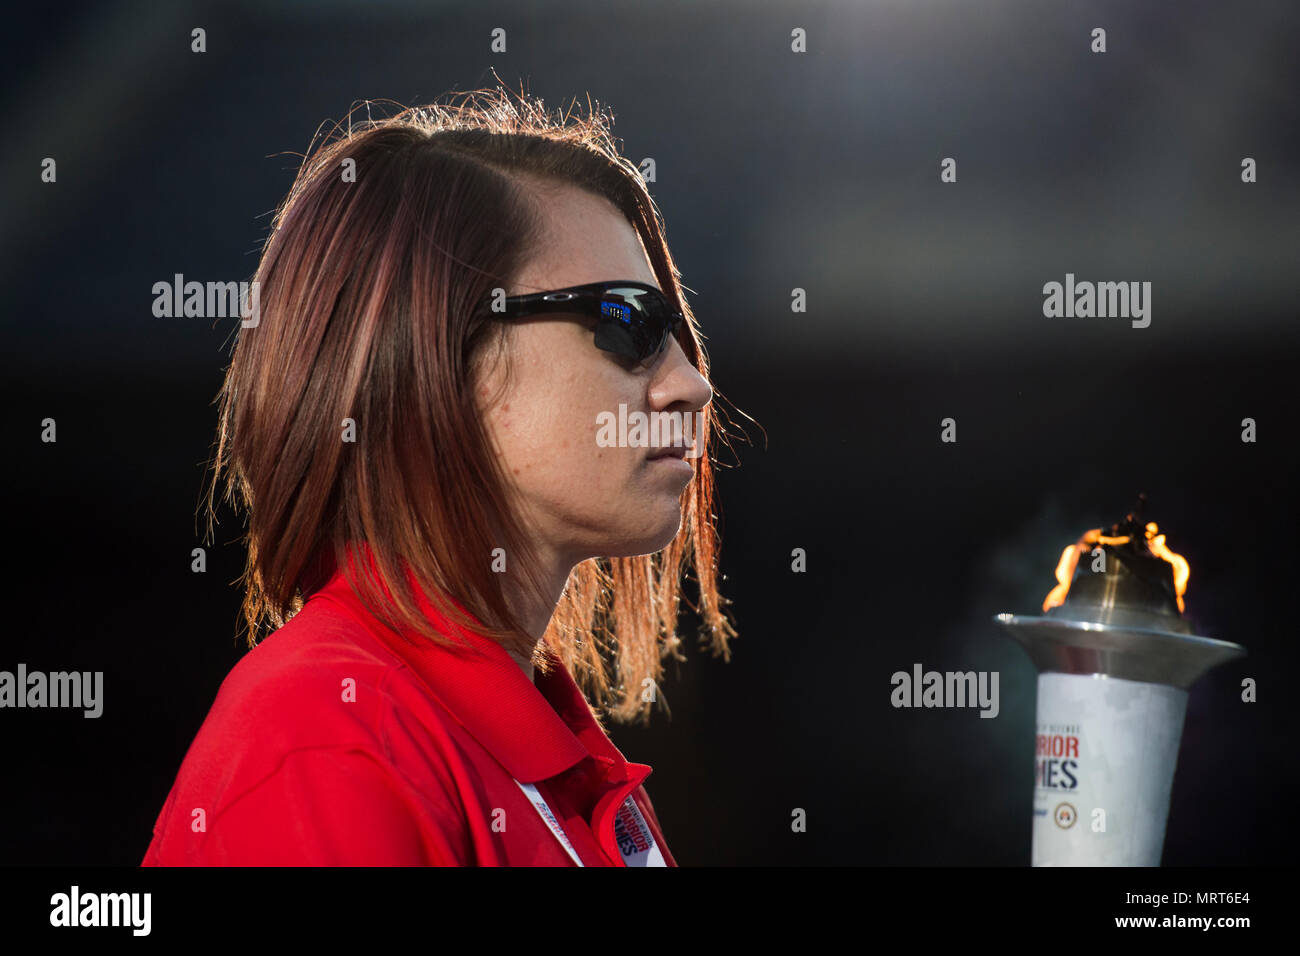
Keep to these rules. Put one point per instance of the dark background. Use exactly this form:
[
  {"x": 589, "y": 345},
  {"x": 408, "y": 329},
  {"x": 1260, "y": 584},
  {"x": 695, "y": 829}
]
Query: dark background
[{"x": 775, "y": 170}]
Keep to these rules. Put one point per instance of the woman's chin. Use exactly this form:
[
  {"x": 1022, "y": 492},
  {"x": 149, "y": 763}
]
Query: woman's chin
[{"x": 649, "y": 542}]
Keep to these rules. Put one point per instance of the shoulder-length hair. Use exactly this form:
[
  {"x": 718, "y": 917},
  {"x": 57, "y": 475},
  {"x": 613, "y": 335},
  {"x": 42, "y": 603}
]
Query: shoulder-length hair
[{"x": 392, "y": 233}]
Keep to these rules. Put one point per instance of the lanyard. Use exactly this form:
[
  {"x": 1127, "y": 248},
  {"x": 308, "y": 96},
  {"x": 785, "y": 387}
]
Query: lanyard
[{"x": 635, "y": 842}]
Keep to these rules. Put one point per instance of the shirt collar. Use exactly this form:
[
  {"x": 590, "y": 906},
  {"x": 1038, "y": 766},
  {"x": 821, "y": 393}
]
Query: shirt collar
[{"x": 535, "y": 730}]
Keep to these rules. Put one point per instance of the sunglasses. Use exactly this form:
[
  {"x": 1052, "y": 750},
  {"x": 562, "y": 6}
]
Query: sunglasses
[{"x": 634, "y": 320}]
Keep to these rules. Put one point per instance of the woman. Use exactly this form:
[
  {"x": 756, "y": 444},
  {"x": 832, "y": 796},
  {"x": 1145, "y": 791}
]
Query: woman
[{"x": 451, "y": 301}]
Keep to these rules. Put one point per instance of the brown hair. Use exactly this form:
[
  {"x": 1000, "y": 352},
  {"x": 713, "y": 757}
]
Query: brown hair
[{"x": 368, "y": 287}]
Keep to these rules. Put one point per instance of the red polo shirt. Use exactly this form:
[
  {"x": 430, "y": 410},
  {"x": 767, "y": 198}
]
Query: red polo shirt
[{"x": 336, "y": 742}]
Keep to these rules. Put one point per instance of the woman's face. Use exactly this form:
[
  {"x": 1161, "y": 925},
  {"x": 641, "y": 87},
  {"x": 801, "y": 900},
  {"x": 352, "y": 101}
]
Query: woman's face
[{"x": 578, "y": 499}]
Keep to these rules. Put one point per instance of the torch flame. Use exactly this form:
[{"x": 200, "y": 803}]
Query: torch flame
[
  {"x": 1182, "y": 571},
  {"x": 1070, "y": 561},
  {"x": 1065, "y": 568}
]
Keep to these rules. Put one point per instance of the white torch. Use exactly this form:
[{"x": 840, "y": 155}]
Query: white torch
[{"x": 1116, "y": 659}]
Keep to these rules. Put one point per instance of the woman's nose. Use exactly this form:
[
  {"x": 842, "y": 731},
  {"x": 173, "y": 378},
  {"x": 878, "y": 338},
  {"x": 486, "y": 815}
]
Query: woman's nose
[{"x": 679, "y": 381}]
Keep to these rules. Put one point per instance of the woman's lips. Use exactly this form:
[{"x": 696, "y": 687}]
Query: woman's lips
[
  {"x": 669, "y": 451},
  {"x": 672, "y": 458}
]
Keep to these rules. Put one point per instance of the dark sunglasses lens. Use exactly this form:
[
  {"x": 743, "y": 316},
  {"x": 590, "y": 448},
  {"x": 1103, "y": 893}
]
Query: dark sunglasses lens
[
  {"x": 635, "y": 323},
  {"x": 623, "y": 333}
]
